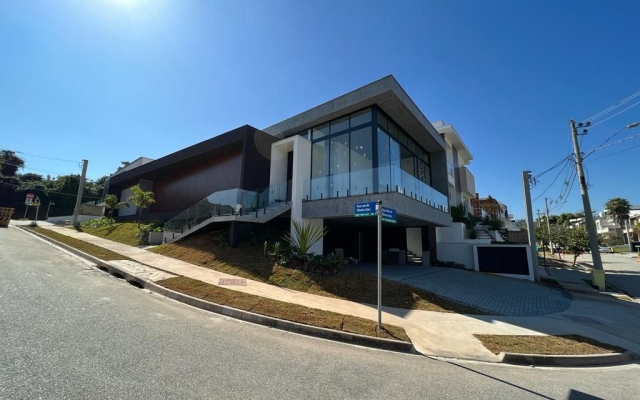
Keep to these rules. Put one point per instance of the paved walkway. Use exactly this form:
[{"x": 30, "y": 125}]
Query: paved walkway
[
  {"x": 491, "y": 293},
  {"x": 432, "y": 333}
]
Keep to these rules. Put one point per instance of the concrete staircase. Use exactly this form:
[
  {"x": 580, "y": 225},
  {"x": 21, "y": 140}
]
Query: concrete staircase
[
  {"x": 482, "y": 234},
  {"x": 413, "y": 259}
]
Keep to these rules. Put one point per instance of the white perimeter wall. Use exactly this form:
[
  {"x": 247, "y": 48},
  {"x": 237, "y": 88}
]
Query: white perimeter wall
[{"x": 452, "y": 246}]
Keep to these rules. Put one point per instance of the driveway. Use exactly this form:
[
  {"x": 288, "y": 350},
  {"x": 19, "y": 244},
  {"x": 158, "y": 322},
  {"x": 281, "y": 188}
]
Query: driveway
[
  {"x": 494, "y": 294},
  {"x": 623, "y": 272}
]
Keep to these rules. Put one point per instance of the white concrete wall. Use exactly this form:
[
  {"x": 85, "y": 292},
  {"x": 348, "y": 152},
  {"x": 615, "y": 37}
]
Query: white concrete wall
[
  {"x": 451, "y": 234},
  {"x": 317, "y": 248},
  {"x": 414, "y": 241},
  {"x": 126, "y": 210},
  {"x": 301, "y": 172}
]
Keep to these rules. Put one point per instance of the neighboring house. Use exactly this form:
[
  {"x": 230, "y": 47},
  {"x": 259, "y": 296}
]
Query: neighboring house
[
  {"x": 576, "y": 223},
  {"x": 490, "y": 207},
  {"x": 370, "y": 144},
  {"x": 607, "y": 226},
  {"x": 462, "y": 184},
  {"x": 634, "y": 220}
]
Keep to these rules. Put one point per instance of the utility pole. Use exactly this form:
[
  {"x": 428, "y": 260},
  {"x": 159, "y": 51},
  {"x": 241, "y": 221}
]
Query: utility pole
[
  {"x": 546, "y": 205},
  {"x": 526, "y": 176},
  {"x": 544, "y": 250},
  {"x": 76, "y": 212},
  {"x": 626, "y": 226},
  {"x": 597, "y": 273},
  {"x": 538, "y": 219}
]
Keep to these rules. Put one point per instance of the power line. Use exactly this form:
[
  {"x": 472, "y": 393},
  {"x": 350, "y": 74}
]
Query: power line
[
  {"x": 552, "y": 168},
  {"x": 618, "y": 113},
  {"x": 47, "y": 158},
  {"x": 47, "y": 192},
  {"x": 613, "y": 107},
  {"x": 613, "y": 144},
  {"x": 613, "y": 154},
  {"x": 566, "y": 162}
]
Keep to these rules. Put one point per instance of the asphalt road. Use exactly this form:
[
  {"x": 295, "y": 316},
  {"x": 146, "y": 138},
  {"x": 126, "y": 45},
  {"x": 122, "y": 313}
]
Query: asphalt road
[
  {"x": 68, "y": 330},
  {"x": 622, "y": 271}
]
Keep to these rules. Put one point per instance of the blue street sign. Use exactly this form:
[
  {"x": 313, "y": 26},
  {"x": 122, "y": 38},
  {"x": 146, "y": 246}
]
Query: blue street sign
[
  {"x": 389, "y": 215},
  {"x": 365, "y": 209}
]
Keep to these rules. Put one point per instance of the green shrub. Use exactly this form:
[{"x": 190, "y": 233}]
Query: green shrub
[
  {"x": 97, "y": 223},
  {"x": 473, "y": 234}
]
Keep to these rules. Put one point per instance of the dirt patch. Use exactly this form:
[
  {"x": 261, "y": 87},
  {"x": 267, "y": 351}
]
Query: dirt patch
[
  {"x": 91, "y": 249},
  {"x": 248, "y": 261},
  {"x": 282, "y": 310},
  {"x": 548, "y": 345}
]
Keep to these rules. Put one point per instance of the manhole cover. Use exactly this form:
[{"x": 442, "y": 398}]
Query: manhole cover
[{"x": 236, "y": 282}]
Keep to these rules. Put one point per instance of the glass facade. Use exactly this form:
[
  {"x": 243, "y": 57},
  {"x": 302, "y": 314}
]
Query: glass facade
[{"x": 366, "y": 152}]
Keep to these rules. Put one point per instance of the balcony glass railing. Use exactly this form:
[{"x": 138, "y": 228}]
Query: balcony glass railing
[
  {"x": 388, "y": 179},
  {"x": 227, "y": 203}
]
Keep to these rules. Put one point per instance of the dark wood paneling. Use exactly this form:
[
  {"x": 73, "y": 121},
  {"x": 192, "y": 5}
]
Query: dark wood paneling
[
  {"x": 257, "y": 159},
  {"x": 183, "y": 188}
]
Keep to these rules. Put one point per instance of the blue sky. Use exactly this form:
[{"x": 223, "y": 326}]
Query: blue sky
[{"x": 112, "y": 80}]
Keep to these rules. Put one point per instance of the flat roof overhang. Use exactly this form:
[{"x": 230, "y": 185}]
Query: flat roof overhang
[
  {"x": 214, "y": 147},
  {"x": 451, "y": 136},
  {"x": 387, "y": 94},
  {"x": 410, "y": 212}
]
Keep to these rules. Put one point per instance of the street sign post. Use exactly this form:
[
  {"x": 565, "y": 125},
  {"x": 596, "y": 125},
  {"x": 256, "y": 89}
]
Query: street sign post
[
  {"x": 370, "y": 209},
  {"x": 389, "y": 215},
  {"x": 365, "y": 209},
  {"x": 27, "y": 202}
]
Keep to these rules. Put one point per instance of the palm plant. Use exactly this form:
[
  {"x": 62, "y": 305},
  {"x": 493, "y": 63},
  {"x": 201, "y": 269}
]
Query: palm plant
[{"x": 306, "y": 235}]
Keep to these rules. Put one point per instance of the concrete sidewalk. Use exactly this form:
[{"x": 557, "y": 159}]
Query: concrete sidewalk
[{"x": 432, "y": 333}]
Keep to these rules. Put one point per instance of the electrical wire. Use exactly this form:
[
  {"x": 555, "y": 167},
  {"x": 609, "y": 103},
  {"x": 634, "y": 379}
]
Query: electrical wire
[
  {"x": 613, "y": 107},
  {"x": 612, "y": 144},
  {"x": 618, "y": 113},
  {"x": 47, "y": 192},
  {"x": 566, "y": 162},
  {"x": 47, "y": 158},
  {"x": 613, "y": 154},
  {"x": 552, "y": 168}
]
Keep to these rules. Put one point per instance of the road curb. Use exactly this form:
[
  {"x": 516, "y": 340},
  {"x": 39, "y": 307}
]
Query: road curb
[
  {"x": 590, "y": 360},
  {"x": 324, "y": 333}
]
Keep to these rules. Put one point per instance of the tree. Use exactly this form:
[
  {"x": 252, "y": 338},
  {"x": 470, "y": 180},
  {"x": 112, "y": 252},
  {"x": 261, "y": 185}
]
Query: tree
[
  {"x": 306, "y": 235},
  {"x": 111, "y": 203},
  {"x": 10, "y": 163},
  {"x": 521, "y": 224},
  {"x": 141, "y": 199},
  {"x": 577, "y": 242},
  {"x": 618, "y": 208}
]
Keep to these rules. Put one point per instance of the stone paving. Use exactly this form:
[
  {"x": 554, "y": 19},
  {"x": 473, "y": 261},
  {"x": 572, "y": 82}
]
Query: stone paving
[{"x": 491, "y": 293}]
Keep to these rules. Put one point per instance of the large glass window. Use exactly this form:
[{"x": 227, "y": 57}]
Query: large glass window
[
  {"x": 384, "y": 160},
  {"x": 320, "y": 131},
  {"x": 360, "y": 117},
  {"x": 319, "y": 170},
  {"x": 340, "y": 124},
  {"x": 396, "y": 176},
  {"x": 361, "y": 162},
  {"x": 407, "y": 161},
  {"x": 339, "y": 166}
]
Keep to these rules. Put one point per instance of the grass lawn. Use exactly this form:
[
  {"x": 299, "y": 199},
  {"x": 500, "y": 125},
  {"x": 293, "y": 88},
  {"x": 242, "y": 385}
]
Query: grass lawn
[
  {"x": 123, "y": 232},
  {"x": 248, "y": 261},
  {"x": 282, "y": 310},
  {"x": 88, "y": 248},
  {"x": 552, "y": 345}
]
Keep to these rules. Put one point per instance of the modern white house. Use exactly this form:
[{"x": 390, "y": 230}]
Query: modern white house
[{"x": 461, "y": 182}]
